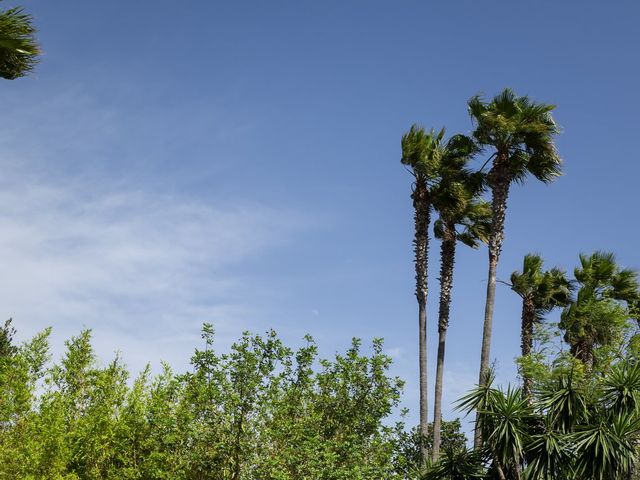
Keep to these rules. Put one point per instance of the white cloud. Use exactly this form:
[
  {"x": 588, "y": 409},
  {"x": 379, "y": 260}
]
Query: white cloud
[
  {"x": 395, "y": 352},
  {"x": 82, "y": 247},
  {"x": 140, "y": 268}
]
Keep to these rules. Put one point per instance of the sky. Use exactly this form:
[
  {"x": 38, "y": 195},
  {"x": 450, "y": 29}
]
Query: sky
[{"x": 238, "y": 163}]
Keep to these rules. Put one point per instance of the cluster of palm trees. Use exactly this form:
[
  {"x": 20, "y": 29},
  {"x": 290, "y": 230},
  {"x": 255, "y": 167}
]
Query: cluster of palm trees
[
  {"x": 518, "y": 135},
  {"x": 515, "y": 137}
]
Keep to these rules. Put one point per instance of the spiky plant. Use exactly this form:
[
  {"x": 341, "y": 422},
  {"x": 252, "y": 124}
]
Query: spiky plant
[
  {"x": 456, "y": 464},
  {"x": 502, "y": 418}
]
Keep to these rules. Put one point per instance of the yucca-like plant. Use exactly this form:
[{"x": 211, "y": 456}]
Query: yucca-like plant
[
  {"x": 456, "y": 464},
  {"x": 503, "y": 419},
  {"x": 549, "y": 456},
  {"x": 606, "y": 448},
  {"x": 19, "y": 48},
  {"x": 565, "y": 402}
]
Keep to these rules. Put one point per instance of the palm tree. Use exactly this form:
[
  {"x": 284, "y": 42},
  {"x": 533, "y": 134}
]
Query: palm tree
[
  {"x": 456, "y": 200},
  {"x": 521, "y": 134},
  {"x": 541, "y": 291},
  {"x": 599, "y": 312},
  {"x": 18, "y": 46},
  {"x": 421, "y": 153}
]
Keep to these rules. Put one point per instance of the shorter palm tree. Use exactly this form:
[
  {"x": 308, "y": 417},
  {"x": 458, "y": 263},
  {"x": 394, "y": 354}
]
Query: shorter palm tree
[
  {"x": 18, "y": 47},
  {"x": 541, "y": 291},
  {"x": 465, "y": 218},
  {"x": 599, "y": 312}
]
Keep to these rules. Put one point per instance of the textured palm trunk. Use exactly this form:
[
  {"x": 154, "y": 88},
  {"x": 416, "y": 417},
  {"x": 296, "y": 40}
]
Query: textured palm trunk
[
  {"x": 583, "y": 351},
  {"x": 447, "y": 259},
  {"x": 499, "y": 182},
  {"x": 421, "y": 247},
  {"x": 526, "y": 339}
]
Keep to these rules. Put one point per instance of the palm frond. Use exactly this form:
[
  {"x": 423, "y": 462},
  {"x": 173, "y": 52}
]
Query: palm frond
[{"x": 19, "y": 49}]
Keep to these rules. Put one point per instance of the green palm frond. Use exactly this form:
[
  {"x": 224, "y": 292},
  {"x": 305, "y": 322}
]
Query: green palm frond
[
  {"x": 520, "y": 130},
  {"x": 456, "y": 195},
  {"x": 18, "y": 47},
  {"x": 545, "y": 289},
  {"x": 422, "y": 151},
  {"x": 604, "y": 303}
]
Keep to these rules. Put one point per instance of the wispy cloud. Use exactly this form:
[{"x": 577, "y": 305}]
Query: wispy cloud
[
  {"x": 141, "y": 267},
  {"x": 138, "y": 264}
]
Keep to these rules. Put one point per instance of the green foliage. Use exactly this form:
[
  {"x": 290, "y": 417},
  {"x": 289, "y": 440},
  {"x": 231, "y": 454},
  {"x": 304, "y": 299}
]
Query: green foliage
[
  {"x": 545, "y": 289},
  {"x": 407, "y": 446},
  {"x": 262, "y": 410},
  {"x": 521, "y": 132},
  {"x": 422, "y": 152},
  {"x": 580, "y": 426},
  {"x": 600, "y": 315},
  {"x": 18, "y": 46}
]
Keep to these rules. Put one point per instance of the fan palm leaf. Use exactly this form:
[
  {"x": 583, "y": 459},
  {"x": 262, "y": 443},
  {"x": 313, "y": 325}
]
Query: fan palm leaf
[{"x": 18, "y": 47}]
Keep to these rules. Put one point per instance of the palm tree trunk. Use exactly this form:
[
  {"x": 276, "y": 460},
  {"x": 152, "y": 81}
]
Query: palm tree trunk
[
  {"x": 583, "y": 351},
  {"x": 421, "y": 246},
  {"x": 499, "y": 182},
  {"x": 526, "y": 340},
  {"x": 447, "y": 259}
]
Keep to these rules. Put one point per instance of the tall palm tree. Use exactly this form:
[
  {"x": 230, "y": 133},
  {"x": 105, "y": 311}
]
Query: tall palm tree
[
  {"x": 541, "y": 291},
  {"x": 18, "y": 46},
  {"x": 455, "y": 198},
  {"x": 599, "y": 312},
  {"x": 521, "y": 135},
  {"x": 421, "y": 153}
]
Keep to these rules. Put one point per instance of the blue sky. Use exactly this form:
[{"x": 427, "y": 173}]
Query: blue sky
[{"x": 238, "y": 163}]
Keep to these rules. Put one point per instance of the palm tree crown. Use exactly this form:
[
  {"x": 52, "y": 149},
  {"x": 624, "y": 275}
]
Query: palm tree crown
[
  {"x": 522, "y": 134},
  {"x": 603, "y": 305},
  {"x": 456, "y": 195},
  {"x": 422, "y": 152},
  {"x": 546, "y": 289},
  {"x": 18, "y": 46}
]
